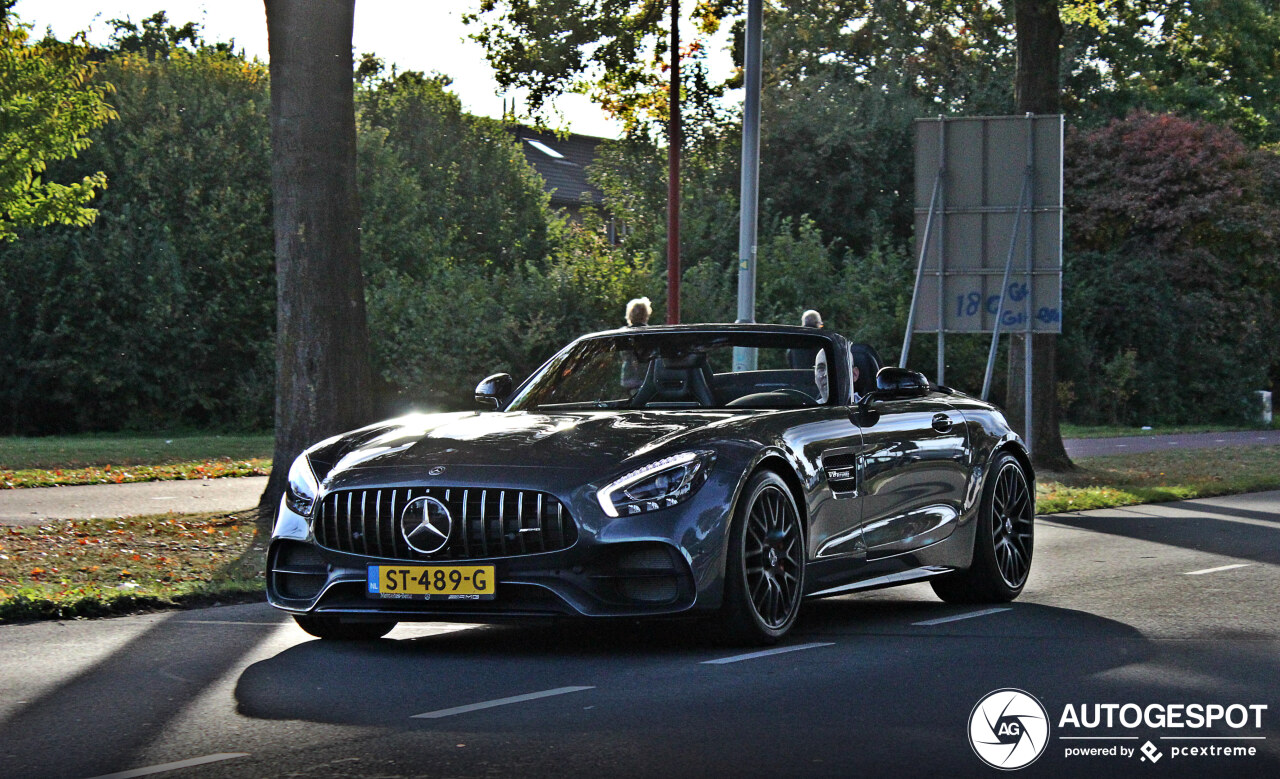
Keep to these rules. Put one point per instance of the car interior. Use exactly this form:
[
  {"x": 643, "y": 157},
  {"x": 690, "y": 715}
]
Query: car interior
[{"x": 688, "y": 381}]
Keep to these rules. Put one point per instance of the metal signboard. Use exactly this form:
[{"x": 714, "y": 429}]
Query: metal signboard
[{"x": 988, "y": 220}]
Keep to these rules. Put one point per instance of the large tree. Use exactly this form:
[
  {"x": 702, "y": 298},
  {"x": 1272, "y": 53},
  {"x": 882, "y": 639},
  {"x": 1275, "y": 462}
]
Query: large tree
[
  {"x": 48, "y": 105},
  {"x": 323, "y": 383},
  {"x": 1039, "y": 29}
]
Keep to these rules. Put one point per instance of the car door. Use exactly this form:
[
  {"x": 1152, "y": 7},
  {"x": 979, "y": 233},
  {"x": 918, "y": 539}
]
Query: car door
[{"x": 911, "y": 472}]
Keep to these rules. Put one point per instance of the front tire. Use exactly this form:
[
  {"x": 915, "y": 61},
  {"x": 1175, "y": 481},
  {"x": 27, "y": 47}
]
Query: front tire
[
  {"x": 334, "y": 629},
  {"x": 1003, "y": 543},
  {"x": 764, "y": 571}
]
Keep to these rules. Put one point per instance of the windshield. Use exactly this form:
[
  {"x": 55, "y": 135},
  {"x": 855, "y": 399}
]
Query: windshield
[{"x": 682, "y": 370}]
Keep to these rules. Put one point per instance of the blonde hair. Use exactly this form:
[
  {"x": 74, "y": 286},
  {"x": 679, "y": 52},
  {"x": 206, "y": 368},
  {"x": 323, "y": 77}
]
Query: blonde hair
[{"x": 638, "y": 311}]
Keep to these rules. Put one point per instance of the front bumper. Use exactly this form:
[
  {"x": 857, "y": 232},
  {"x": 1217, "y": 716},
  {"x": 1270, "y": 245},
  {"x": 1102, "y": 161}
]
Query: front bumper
[{"x": 666, "y": 562}]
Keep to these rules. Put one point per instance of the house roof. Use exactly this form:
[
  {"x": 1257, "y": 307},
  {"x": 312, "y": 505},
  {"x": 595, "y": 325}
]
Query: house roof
[{"x": 563, "y": 163}]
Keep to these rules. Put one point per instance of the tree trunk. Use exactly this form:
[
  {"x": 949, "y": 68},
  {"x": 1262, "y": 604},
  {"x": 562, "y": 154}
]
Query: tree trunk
[
  {"x": 1036, "y": 91},
  {"x": 323, "y": 380}
]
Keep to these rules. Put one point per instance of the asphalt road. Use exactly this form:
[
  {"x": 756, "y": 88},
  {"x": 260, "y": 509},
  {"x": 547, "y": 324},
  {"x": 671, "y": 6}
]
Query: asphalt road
[{"x": 1156, "y": 607}]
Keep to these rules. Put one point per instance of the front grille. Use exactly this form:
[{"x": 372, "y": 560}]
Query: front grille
[{"x": 486, "y": 523}]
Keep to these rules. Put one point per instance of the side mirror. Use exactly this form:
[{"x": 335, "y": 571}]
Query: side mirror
[
  {"x": 494, "y": 389},
  {"x": 893, "y": 383}
]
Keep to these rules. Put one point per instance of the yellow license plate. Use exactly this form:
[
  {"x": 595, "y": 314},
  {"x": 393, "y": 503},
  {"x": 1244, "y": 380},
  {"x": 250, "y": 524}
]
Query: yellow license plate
[{"x": 432, "y": 582}]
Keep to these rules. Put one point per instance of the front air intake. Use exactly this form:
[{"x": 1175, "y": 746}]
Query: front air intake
[{"x": 485, "y": 523}]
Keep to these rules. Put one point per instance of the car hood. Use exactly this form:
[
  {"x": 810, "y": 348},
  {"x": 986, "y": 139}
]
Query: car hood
[{"x": 590, "y": 442}]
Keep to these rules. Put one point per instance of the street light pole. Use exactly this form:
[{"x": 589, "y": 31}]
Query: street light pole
[
  {"x": 744, "y": 359},
  {"x": 673, "y": 174}
]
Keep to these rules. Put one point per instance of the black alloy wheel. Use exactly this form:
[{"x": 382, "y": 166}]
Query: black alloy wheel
[
  {"x": 764, "y": 575},
  {"x": 1004, "y": 541},
  {"x": 334, "y": 629},
  {"x": 1011, "y": 526}
]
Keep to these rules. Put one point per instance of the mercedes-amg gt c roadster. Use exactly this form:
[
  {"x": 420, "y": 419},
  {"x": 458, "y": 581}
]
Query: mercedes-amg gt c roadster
[{"x": 638, "y": 474}]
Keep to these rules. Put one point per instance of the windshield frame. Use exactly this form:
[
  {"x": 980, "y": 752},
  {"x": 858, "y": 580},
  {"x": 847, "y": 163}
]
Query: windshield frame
[{"x": 653, "y": 341}]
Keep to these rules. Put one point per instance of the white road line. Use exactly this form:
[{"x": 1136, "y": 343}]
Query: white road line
[
  {"x": 533, "y": 696},
  {"x": 782, "y": 650},
  {"x": 958, "y": 617},
  {"x": 156, "y": 769},
  {"x": 1219, "y": 568},
  {"x": 227, "y": 622}
]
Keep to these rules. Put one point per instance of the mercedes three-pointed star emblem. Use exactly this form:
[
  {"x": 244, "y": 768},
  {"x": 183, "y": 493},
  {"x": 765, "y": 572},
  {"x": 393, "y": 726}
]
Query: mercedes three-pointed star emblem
[{"x": 425, "y": 524}]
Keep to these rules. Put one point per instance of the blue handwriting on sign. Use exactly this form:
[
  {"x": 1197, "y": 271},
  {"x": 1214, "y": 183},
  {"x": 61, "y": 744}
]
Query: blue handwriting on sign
[{"x": 971, "y": 304}]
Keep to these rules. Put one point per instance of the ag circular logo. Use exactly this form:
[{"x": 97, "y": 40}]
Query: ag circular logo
[
  {"x": 425, "y": 524},
  {"x": 1008, "y": 729}
]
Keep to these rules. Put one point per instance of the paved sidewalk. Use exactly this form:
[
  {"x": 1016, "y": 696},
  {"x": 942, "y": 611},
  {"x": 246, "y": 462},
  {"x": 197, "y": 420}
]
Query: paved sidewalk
[{"x": 37, "y": 505}]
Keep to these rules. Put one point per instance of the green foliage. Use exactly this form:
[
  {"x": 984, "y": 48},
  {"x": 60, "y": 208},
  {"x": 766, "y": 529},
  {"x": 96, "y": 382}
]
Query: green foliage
[
  {"x": 437, "y": 183},
  {"x": 439, "y": 332},
  {"x": 1173, "y": 263},
  {"x": 48, "y": 106},
  {"x": 162, "y": 312},
  {"x": 1218, "y": 60},
  {"x": 615, "y": 51}
]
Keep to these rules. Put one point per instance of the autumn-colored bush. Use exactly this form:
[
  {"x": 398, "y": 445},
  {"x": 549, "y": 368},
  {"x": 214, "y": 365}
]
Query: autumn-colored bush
[{"x": 1173, "y": 265}]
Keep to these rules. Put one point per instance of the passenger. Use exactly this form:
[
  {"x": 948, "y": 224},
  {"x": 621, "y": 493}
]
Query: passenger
[{"x": 820, "y": 377}]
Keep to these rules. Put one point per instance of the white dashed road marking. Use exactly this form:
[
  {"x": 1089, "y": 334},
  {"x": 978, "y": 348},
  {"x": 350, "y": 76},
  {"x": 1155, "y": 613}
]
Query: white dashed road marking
[
  {"x": 958, "y": 617},
  {"x": 1219, "y": 568},
  {"x": 533, "y": 696},
  {"x": 156, "y": 769},
  {"x": 764, "y": 653}
]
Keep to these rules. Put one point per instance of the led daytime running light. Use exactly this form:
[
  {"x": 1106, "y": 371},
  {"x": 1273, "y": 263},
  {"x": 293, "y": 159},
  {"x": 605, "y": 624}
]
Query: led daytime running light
[{"x": 605, "y": 495}]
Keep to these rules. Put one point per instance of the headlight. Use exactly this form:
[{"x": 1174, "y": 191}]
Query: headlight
[
  {"x": 658, "y": 485},
  {"x": 301, "y": 493}
]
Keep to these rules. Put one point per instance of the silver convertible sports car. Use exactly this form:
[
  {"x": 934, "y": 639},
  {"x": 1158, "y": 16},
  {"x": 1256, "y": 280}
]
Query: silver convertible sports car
[{"x": 636, "y": 474}]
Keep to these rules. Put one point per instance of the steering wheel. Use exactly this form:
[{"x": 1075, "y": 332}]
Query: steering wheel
[{"x": 805, "y": 398}]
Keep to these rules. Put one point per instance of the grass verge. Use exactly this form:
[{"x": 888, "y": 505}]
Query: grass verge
[
  {"x": 95, "y": 450},
  {"x": 1157, "y": 477},
  {"x": 111, "y": 474},
  {"x": 1116, "y": 431},
  {"x": 98, "y": 567}
]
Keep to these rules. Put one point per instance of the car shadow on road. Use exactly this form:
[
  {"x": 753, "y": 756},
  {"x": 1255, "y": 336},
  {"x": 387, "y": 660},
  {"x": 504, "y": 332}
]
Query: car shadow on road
[{"x": 386, "y": 682}]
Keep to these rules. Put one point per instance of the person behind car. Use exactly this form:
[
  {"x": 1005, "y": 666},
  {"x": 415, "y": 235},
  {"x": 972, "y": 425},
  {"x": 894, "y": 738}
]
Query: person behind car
[
  {"x": 637, "y": 312},
  {"x": 803, "y": 356}
]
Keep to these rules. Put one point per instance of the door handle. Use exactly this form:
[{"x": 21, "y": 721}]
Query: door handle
[{"x": 942, "y": 423}]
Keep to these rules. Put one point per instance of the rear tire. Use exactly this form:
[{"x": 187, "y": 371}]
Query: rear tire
[
  {"x": 334, "y": 629},
  {"x": 764, "y": 570},
  {"x": 1003, "y": 542}
]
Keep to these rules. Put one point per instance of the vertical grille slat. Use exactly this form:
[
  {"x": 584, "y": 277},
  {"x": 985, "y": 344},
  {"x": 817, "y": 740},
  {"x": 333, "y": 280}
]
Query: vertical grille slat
[
  {"x": 520, "y": 521},
  {"x": 486, "y": 523},
  {"x": 466, "y": 528},
  {"x": 502, "y": 522},
  {"x": 364, "y": 525},
  {"x": 377, "y": 522}
]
